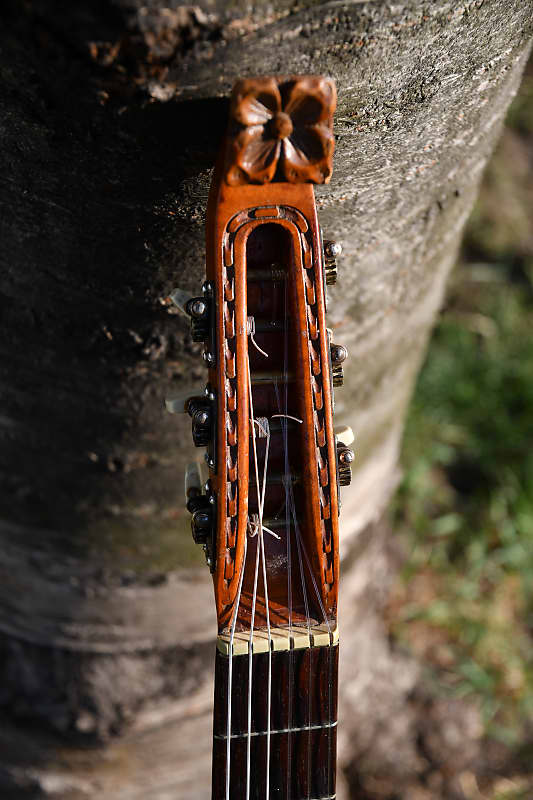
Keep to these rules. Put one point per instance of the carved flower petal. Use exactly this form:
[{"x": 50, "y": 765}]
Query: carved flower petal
[
  {"x": 255, "y": 155},
  {"x": 255, "y": 100},
  {"x": 310, "y": 100},
  {"x": 311, "y": 143},
  {"x": 307, "y": 155}
]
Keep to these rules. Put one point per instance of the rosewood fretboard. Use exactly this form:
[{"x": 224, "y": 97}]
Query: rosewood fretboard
[{"x": 303, "y": 726}]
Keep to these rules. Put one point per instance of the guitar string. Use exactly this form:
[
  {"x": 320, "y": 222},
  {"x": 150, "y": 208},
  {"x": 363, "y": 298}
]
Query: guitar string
[
  {"x": 301, "y": 547},
  {"x": 308, "y": 654},
  {"x": 310, "y": 570},
  {"x": 230, "y": 674},
  {"x": 290, "y": 503},
  {"x": 251, "y": 331},
  {"x": 284, "y": 425},
  {"x": 290, "y": 506},
  {"x": 260, "y": 551}
]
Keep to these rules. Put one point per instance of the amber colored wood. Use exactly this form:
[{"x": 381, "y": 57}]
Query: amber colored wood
[
  {"x": 281, "y": 129},
  {"x": 265, "y": 268},
  {"x": 226, "y": 203},
  {"x": 249, "y": 226},
  {"x": 303, "y": 718}
]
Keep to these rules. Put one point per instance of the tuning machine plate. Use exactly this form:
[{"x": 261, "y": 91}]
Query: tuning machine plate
[
  {"x": 331, "y": 251},
  {"x": 338, "y": 356},
  {"x": 202, "y": 410},
  {"x": 198, "y": 309},
  {"x": 202, "y": 508}
]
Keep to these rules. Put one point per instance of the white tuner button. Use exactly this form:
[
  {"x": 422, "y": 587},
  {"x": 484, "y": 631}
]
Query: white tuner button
[
  {"x": 344, "y": 435},
  {"x": 193, "y": 480},
  {"x": 180, "y": 299},
  {"x": 179, "y": 402}
]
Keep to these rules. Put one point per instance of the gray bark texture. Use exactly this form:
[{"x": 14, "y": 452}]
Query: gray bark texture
[{"x": 111, "y": 116}]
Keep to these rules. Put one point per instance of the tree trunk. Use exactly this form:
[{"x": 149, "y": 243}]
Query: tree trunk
[{"x": 111, "y": 119}]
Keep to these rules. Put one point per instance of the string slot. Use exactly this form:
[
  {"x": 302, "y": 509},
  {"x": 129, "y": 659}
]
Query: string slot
[
  {"x": 270, "y": 326},
  {"x": 272, "y": 274},
  {"x": 282, "y": 479},
  {"x": 259, "y": 378}
]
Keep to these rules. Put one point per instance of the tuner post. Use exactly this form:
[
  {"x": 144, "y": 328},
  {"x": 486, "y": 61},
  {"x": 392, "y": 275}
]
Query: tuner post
[
  {"x": 345, "y": 457},
  {"x": 202, "y": 508},
  {"x": 198, "y": 309},
  {"x": 201, "y": 414},
  {"x": 338, "y": 356}
]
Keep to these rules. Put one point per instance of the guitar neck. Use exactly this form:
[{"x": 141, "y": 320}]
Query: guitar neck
[
  {"x": 282, "y": 725},
  {"x": 268, "y": 520}
]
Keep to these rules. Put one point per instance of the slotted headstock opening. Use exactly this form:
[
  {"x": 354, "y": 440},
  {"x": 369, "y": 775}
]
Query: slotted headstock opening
[
  {"x": 275, "y": 482},
  {"x": 277, "y": 494}
]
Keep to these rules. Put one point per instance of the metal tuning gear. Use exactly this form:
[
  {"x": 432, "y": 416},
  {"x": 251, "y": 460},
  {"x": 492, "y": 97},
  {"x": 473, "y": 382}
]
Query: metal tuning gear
[
  {"x": 202, "y": 507},
  {"x": 331, "y": 251},
  {"x": 338, "y": 356},
  {"x": 199, "y": 311},
  {"x": 199, "y": 408}
]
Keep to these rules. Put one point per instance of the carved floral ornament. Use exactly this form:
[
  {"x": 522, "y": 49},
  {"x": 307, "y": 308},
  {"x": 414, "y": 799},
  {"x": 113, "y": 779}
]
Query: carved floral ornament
[{"x": 281, "y": 130}]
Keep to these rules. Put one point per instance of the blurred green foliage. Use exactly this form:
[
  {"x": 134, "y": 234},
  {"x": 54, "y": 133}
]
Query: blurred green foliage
[{"x": 465, "y": 506}]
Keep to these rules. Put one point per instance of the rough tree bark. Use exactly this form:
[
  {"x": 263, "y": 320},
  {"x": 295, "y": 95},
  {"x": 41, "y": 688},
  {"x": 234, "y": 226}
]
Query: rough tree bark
[{"x": 111, "y": 115}]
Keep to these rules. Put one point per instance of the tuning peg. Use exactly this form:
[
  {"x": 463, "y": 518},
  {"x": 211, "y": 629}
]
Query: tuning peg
[
  {"x": 345, "y": 456},
  {"x": 200, "y": 409},
  {"x": 197, "y": 308},
  {"x": 179, "y": 403},
  {"x": 344, "y": 435},
  {"x": 180, "y": 299},
  {"x": 193, "y": 481}
]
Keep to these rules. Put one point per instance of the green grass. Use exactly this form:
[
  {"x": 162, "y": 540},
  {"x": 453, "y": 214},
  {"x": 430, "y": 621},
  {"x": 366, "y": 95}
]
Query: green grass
[
  {"x": 467, "y": 497},
  {"x": 465, "y": 507}
]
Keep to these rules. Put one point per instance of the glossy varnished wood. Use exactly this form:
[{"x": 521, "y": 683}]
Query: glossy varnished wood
[
  {"x": 226, "y": 202},
  {"x": 265, "y": 271},
  {"x": 252, "y": 201}
]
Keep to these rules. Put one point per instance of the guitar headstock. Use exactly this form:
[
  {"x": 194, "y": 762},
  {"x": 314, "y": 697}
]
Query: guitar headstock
[{"x": 267, "y": 516}]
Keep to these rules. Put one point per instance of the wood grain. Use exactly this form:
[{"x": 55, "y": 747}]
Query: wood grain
[
  {"x": 303, "y": 720},
  {"x": 247, "y": 227}
]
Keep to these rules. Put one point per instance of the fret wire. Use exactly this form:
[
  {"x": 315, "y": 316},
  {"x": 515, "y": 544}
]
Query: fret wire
[{"x": 303, "y": 728}]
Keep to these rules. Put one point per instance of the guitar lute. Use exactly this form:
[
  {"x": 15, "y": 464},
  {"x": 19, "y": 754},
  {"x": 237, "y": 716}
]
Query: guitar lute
[{"x": 267, "y": 517}]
